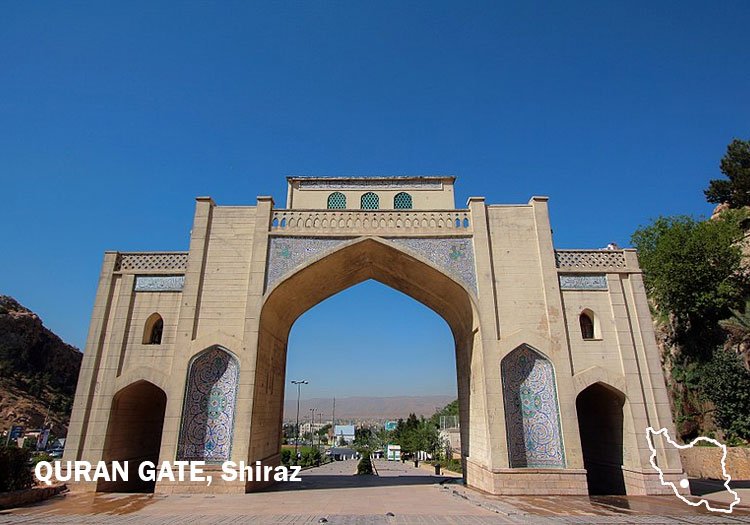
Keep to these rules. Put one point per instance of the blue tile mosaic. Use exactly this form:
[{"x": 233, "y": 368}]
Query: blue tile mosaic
[
  {"x": 208, "y": 410},
  {"x": 532, "y": 415}
]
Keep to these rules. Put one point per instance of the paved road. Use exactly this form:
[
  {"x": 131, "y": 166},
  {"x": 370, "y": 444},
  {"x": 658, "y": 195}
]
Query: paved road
[{"x": 401, "y": 494}]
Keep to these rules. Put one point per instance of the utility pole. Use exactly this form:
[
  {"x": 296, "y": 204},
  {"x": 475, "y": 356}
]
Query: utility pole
[
  {"x": 320, "y": 427},
  {"x": 333, "y": 418},
  {"x": 312, "y": 426},
  {"x": 296, "y": 432}
]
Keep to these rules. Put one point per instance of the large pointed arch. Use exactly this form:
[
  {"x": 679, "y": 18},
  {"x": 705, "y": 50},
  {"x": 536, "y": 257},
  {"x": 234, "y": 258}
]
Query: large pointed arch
[{"x": 325, "y": 276}]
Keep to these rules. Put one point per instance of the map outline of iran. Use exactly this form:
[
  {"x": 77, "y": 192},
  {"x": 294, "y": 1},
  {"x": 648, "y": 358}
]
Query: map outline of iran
[{"x": 725, "y": 474}]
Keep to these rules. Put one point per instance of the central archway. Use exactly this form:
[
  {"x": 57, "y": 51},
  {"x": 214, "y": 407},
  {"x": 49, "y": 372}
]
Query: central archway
[{"x": 325, "y": 276}]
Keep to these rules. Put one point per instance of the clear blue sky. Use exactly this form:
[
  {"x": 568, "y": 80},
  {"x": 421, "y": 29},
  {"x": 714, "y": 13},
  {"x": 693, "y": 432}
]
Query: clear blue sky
[{"x": 113, "y": 117}]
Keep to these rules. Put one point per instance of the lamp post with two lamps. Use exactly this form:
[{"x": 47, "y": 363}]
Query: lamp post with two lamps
[{"x": 296, "y": 436}]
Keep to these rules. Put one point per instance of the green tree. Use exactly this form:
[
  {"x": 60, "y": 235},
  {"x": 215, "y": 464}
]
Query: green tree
[
  {"x": 735, "y": 165},
  {"x": 726, "y": 383},
  {"x": 365, "y": 465},
  {"x": 692, "y": 269}
]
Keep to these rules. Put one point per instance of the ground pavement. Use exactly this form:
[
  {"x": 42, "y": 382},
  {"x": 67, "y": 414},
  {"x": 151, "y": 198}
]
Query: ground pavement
[{"x": 401, "y": 494}]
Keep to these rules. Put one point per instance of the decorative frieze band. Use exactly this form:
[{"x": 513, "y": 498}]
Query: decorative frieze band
[
  {"x": 354, "y": 184},
  {"x": 590, "y": 259},
  {"x": 159, "y": 283},
  {"x": 169, "y": 261}
]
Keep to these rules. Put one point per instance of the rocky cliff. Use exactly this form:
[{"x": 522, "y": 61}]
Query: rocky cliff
[{"x": 38, "y": 371}]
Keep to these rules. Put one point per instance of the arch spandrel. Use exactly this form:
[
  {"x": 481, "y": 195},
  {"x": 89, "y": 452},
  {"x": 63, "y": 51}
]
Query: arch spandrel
[
  {"x": 453, "y": 256},
  {"x": 337, "y": 264}
]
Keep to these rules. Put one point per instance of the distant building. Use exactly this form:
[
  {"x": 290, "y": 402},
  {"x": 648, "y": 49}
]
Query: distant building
[
  {"x": 344, "y": 431},
  {"x": 393, "y": 453}
]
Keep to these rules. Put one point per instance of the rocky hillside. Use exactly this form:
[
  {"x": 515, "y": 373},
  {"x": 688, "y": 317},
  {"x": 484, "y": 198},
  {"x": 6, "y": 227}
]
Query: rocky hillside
[{"x": 38, "y": 371}]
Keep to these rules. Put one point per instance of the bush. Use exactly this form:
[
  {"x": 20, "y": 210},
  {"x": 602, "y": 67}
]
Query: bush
[
  {"x": 365, "y": 466},
  {"x": 310, "y": 457},
  {"x": 286, "y": 457},
  {"x": 454, "y": 465},
  {"x": 15, "y": 473}
]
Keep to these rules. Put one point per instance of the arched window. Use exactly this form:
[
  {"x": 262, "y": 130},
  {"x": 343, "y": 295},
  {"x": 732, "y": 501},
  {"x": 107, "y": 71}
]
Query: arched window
[
  {"x": 586, "y": 320},
  {"x": 336, "y": 201},
  {"x": 370, "y": 201},
  {"x": 402, "y": 201},
  {"x": 153, "y": 330}
]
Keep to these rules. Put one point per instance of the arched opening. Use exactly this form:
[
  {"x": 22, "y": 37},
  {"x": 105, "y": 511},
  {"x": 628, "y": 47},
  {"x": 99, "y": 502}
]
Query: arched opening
[
  {"x": 208, "y": 410},
  {"x": 342, "y": 269},
  {"x": 587, "y": 322},
  {"x": 370, "y": 201},
  {"x": 600, "y": 424},
  {"x": 532, "y": 415},
  {"x": 134, "y": 434},
  {"x": 402, "y": 201},
  {"x": 336, "y": 201},
  {"x": 153, "y": 330}
]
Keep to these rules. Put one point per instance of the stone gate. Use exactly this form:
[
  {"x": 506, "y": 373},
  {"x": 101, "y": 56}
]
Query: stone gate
[{"x": 557, "y": 366}]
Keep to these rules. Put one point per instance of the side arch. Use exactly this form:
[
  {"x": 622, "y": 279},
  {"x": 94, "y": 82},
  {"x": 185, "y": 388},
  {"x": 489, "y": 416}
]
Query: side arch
[
  {"x": 134, "y": 432},
  {"x": 600, "y": 409},
  {"x": 532, "y": 413},
  {"x": 208, "y": 412}
]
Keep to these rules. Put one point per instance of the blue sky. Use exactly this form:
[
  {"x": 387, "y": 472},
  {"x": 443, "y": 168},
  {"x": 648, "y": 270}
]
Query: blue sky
[{"x": 115, "y": 116}]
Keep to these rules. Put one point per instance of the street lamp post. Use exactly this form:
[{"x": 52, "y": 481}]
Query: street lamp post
[{"x": 296, "y": 437}]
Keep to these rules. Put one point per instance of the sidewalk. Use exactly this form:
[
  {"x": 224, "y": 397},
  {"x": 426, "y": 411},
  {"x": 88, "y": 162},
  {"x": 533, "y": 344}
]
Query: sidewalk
[{"x": 402, "y": 494}]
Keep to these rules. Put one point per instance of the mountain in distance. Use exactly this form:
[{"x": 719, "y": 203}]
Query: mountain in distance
[
  {"x": 38, "y": 371},
  {"x": 359, "y": 408}
]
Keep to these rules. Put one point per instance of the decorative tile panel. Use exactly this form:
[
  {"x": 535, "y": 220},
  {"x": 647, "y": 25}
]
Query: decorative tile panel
[
  {"x": 287, "y": 253},
  {"x": 532, "y": 415},
  {"x": 208, "y": 410},
  {"x": 583, "y": 282},
  {"x": 159, "y": 283},
  {"x": 453, "y": 255}
]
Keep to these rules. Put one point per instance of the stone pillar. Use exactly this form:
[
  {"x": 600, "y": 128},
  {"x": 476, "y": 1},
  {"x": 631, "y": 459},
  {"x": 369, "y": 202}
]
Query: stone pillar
[{"x": 92, "y": 357}]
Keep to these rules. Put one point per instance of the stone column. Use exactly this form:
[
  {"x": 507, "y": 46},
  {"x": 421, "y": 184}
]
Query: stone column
[{"x": 89, "y": 374}]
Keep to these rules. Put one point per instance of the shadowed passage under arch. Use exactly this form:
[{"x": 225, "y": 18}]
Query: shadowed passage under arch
[
  {"x": 134, "y": 433},
  {"x": 600, "y": 424}
]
